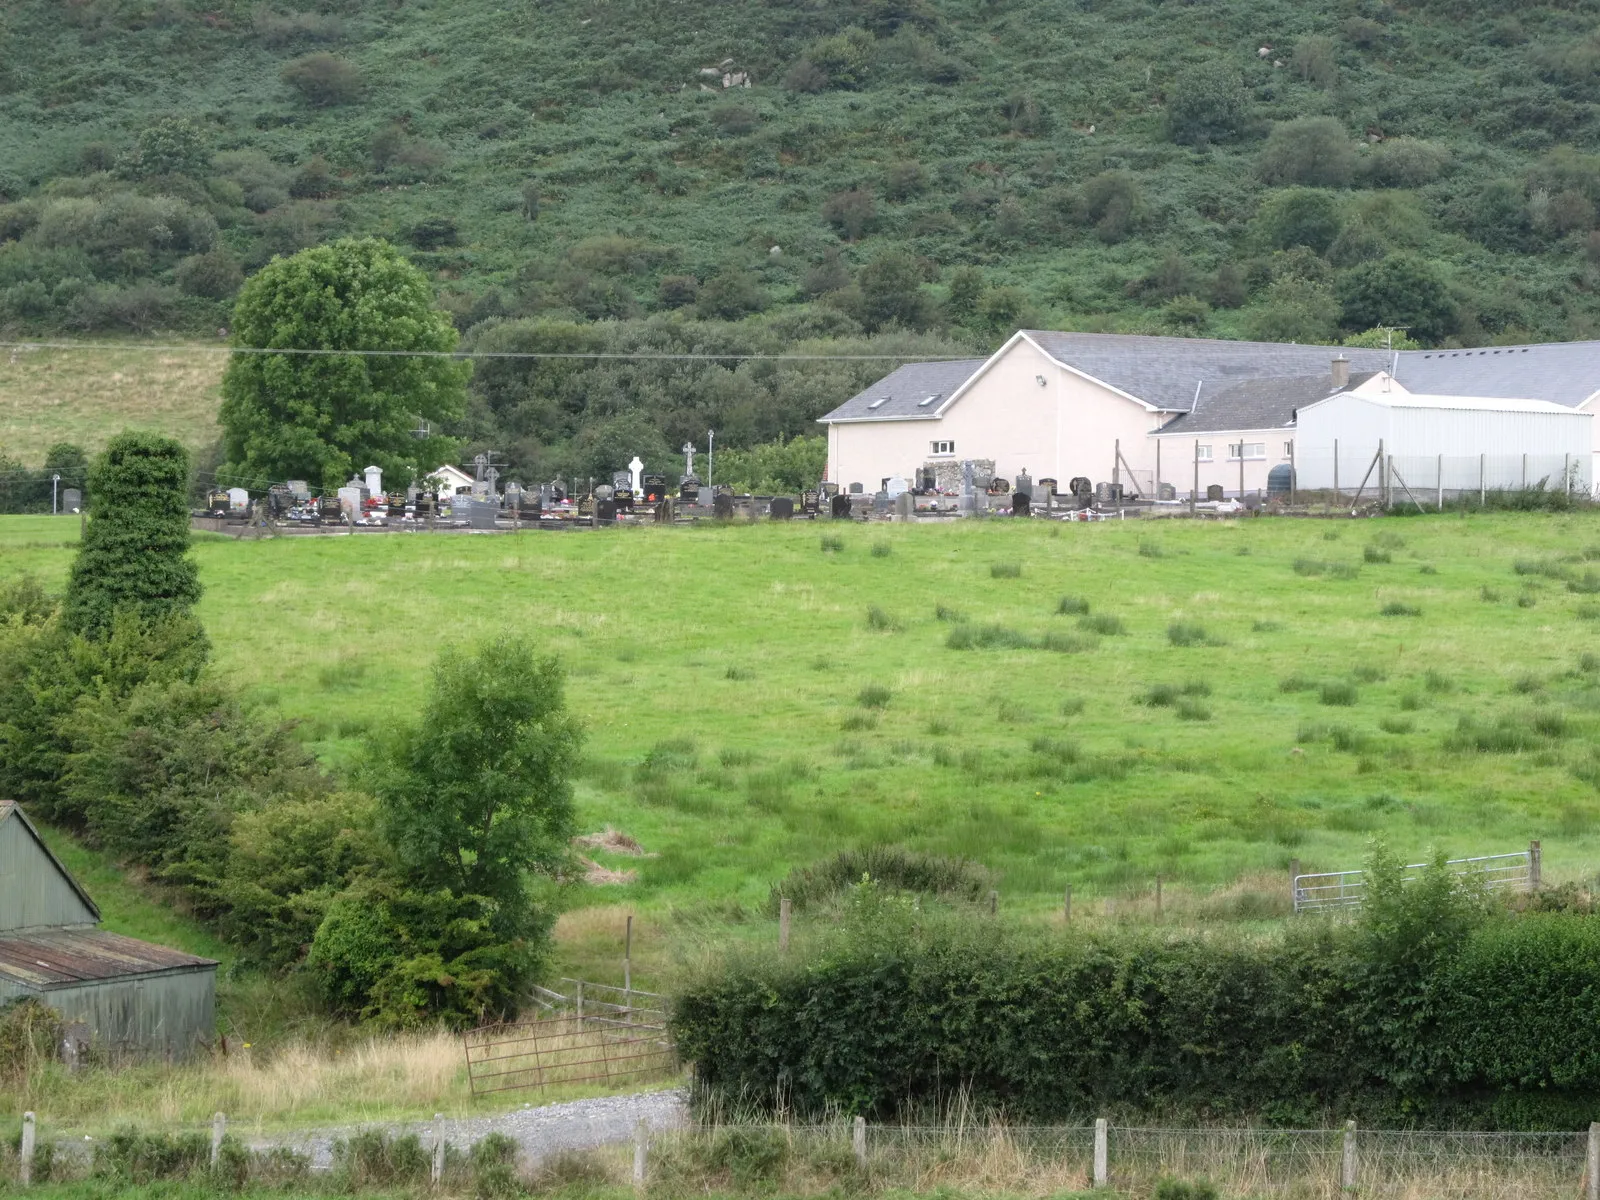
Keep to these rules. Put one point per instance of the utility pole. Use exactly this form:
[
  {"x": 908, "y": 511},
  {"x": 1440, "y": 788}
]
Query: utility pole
[
  {"x": 55, "y": 480},
  {"x": 711, "y": 461}
]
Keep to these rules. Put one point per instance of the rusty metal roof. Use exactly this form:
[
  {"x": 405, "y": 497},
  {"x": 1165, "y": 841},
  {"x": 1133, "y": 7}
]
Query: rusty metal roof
[{"x": 62, "y": 957}]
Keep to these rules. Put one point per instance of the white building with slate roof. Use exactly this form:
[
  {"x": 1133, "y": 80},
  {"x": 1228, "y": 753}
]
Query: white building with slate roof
[{"x": 1115, "y": 406}]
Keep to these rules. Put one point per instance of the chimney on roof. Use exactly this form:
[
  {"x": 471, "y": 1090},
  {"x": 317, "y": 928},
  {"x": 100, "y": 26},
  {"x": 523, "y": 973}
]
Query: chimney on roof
[{"x": 1341, "y": 372}]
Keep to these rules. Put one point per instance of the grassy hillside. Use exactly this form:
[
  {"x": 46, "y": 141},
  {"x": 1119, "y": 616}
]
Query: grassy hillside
[
  {"x": 755, "y": 702},
  {"x": 1285, "y": 170},
  {"x": 51, "y": 396}
]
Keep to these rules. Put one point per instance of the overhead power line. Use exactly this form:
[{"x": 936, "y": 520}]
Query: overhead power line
[{"x": 642, "y": 356}]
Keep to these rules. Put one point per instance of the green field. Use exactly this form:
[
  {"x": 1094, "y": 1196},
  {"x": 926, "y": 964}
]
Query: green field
[{"x": 721, "y": 673}]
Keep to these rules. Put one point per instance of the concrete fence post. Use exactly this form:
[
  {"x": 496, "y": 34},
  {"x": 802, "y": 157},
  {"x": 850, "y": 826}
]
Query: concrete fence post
[
  {"x": 858, "y": 1141},
  {"x": 1066, "y": 905},
  {"x": 1535, "y": 866},
  {"x": 1347, "y": 1161},
  {"x": 784, "y": 911},
  {"x": 219, "y": 1129},
  {"x": 1102, "y": 1173},
  {"x": 580, "y": 1005},
  {"x": 641, "y": 1151},
  {"x": 1591, "y": 1181},
  {"x": 25, "y": 1151},
  {"x": 436, "y": 1173}
]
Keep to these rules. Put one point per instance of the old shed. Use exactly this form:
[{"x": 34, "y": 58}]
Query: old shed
[{"x": 128, "y": 998}]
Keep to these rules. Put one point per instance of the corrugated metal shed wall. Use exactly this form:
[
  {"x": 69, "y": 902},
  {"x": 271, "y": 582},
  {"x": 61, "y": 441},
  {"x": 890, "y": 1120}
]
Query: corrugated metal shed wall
[
  {"x": 1515, "y": 447},
  {"x": 167, "y": 1015},
  {"x": 32, "y": 892}
]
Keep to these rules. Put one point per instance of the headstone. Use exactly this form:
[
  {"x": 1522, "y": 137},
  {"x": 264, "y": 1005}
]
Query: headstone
[
  {"x": 1021, "y": 504},
  {"x": 880, "y": 503},
  {"x": 635, "y": 466},
  {"x": 350, "y": 503},
  {"x": 839, "y": 507},
  {"x": 664, "y": 511},
  {"x": 1025, "y": 485},
  {"x": 655, "y": 489},
  {"x": 811, "y": 503},
  {"x": 1213, "y": 491},
  {"x": 999, "y": 486},
  {"x": 546, "y": 495},
  {"x": 782, "y": 508},
  {"x": 689, "y": 490},
  {"x": 299, "y": 490},
  {"x": 1102, "y": 491},
  {"x": 1166, "y": 491},
  {"x": 238, "y": 499},
  {"x": 619, "y": 479},
  {"x": 606, "y": 492},
  {"x": 513, "y": 495},
  {"x": 586, "y": 506},
  {"x": 1044, "y": 487},
  {"x": 482, "y": 514},
  {"x": 905, "y": 506},
  {"x": 71, "y": 500},
  {"x": 856, "y": 489},
  {"x": 605, "y": 511},
  {"x": 830, "y": 490},
  {"x": 374, "y": 480},
  {"x": 723, "y": 505},
  {"x": 1252, "y": 501},
  {"x": 896, "y": 487},
  {"x": 623, "y": 499}
]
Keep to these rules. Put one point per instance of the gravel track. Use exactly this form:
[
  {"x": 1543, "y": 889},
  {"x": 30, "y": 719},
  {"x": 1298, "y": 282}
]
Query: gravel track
[{"x": 541, "y": 1131}]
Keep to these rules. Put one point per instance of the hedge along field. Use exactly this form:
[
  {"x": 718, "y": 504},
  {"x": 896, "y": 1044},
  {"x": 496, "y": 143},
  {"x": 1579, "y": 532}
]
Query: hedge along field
[{"x": 756, "y": 701}]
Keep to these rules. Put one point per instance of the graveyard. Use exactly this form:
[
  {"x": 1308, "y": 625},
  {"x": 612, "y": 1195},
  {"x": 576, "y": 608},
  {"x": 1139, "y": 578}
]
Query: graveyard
[{"x": 1084, "y": 705}]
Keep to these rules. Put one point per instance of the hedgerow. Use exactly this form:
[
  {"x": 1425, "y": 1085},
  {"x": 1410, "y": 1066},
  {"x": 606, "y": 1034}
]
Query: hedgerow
[{"x": 1433, "y": 1008}]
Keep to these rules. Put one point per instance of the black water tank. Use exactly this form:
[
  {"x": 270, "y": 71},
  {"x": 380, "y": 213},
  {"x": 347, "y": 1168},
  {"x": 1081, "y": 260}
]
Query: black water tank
[{"x": 1280, "y": 480}]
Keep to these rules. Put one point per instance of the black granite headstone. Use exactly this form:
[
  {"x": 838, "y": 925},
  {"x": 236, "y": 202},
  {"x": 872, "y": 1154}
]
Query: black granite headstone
[
  {"x": 723, "y": 506},
  {"x": 839, "y": 507},
  {"x": 1214, "y": 491},
  {"x": 605, "y": 511},
  {"x": 1021, "y": 504},
  {"x": 781, "y": 509}
]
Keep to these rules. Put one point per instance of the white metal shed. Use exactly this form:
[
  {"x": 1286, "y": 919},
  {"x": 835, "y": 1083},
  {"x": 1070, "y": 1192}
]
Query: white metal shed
[{"x": 1454, "y": 443}]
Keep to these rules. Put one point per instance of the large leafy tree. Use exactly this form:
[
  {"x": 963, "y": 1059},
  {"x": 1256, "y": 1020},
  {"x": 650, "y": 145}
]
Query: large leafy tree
[
  {"x": 471, "y": 800},
  {"x": 1400, "y": 290},
  {"x": 135, "y": 550},
  {"x": 322, "y": 416}
]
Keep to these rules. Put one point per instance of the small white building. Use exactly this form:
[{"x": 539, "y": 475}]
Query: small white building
[
  {"x": 450, "y": 480},
  {"x": 1453, "y": 443}
]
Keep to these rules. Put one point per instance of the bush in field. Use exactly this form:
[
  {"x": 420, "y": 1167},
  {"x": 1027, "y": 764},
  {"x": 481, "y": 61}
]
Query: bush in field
[
  {"x": 1206, "y": 103},
  {"x": 1314, "y": 151},
  {"x": 323, "y": 79},
  {"x": 893, "y": 867},
  {"x": 135, "y": 548}
]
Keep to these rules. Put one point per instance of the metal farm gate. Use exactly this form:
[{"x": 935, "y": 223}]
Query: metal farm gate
[
  {"x": 1333, "y": 890},
  {"x": 579, "y": 1038}
]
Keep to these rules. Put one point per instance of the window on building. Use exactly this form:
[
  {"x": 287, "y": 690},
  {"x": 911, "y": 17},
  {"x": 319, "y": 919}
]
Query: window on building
[
  {"x": 1203, "y": 453},
  {"x": 1288, "y": 449},
  {"x": 1246, "y": 450},
  {"x": 944, "y": 447}
]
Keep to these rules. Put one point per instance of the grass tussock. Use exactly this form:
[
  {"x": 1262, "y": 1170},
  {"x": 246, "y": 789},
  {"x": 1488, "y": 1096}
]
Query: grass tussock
[
  {"x": 1191, "y": 633},
  {"x": 880, "y": 620},
  {"x": 874, "y": 695},
  {"x": 893, "y": 867},
  {"x": 1005, "y": 570},
  {"x": 1071, "y": 606},
  {"x": 1398, "y": 608},
  {"x": 1104, "y": 624}
]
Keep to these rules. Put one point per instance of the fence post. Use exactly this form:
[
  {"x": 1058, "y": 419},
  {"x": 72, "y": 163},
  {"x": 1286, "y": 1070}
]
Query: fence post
[
  {"x": 1535, "y": 866},
  {"x": 1524, "y": 472},
  {"x": 1066, "y": 906},
  {"x": 1336, "y": 497},
  {"x": 1347, "y": 1163},
  {"x": 1158, "y": 895},
  {"x": 580, "y": 1006},
  {"x": 1566, "y": 473},
  {"x": 25, "y": 1152},
  {"x": 784, "y": 909},
  {"x": 436, "y": 1173},
  {"x": 641, "y": 1149},
  {"x": 858, "y": 1140},
  {"x": 1592, "y": 1190},
  {"x": 1483, "y": 476},
  {"x": 1101, "y": 1173},
  {"x": 219, "y": 1127},
  {"x": 1294, "y": 875},
  {"x": 994, "y": 902},
  {"x": 1438, "y": 471}
]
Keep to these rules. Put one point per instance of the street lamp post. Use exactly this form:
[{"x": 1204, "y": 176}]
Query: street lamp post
[{"x": 55, "y": 480}]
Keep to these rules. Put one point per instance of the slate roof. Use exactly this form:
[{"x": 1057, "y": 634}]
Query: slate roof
[
  {"x": 902, "y": 392},
  {"x": 1163, "y": 371},
  {"x": 62, "y": 957},
  {"x": 1565, "y": 373},
  {"x": 1255, "y": 404}
]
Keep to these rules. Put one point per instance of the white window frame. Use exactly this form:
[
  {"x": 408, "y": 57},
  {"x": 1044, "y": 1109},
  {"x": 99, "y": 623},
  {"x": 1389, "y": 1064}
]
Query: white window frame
[
  {"x": 1248, "y": 451},
  {"x": 942, "y": 449},
  {"x": 1288, "y": 451},
  {"x": 1202, "y": 453}
]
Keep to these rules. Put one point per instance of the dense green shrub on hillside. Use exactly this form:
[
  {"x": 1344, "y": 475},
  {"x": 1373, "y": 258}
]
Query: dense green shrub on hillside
[
  {"x": 134, "y": 555},
  {"x": 1206, "y": 103},
  {"x": 1431, "y": 1009},
  {"x": 1314, "y": 151}
]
